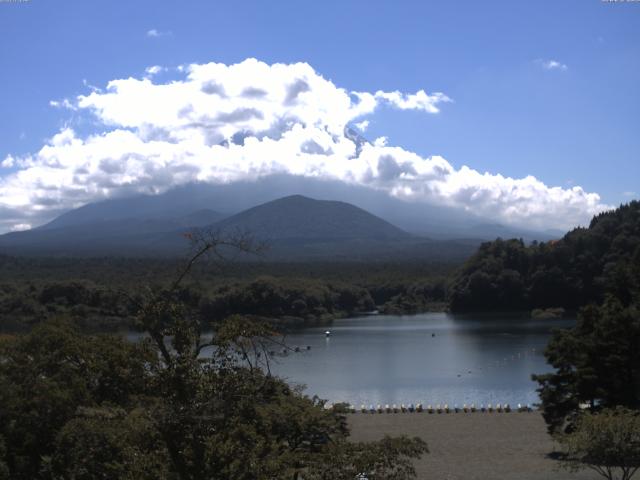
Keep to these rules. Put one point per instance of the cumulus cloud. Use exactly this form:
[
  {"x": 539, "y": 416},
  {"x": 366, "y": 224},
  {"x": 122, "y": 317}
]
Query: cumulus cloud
[
  {"x": 223, "y": 123},
  {"x": 552, "y": 65}
]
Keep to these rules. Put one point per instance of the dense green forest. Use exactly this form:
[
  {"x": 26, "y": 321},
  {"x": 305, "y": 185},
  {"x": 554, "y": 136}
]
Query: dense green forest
[
  {"x": 103, "y": 294},
  {"x": 78, "y": 406},
  {"x": 507, "y": 275},
  {"x": 94, "y": 406},
  {"x": 581, "y": 268}
]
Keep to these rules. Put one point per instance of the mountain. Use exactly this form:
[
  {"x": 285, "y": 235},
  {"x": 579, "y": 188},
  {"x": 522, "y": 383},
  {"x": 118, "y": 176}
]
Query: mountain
[
  {"x": 433, "y": 221},
  {"x": 297, "y": 217},
  {"x": 295, "y": 228},
  {"x": 106, "y": 235}
]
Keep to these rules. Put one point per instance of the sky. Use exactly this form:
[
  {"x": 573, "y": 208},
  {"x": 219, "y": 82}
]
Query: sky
[{"x": 522, "y": 112}]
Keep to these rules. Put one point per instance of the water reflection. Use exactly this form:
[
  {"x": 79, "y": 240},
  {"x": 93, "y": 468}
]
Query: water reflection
[{"x": 430, "y": 358}]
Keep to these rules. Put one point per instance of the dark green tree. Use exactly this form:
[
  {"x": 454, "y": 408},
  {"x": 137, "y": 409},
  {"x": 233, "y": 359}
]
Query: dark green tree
[
  {"x": 181, "y": 404},
  {"x": 224, "y": 416},
  {"x": 597, "y": 364},
  {"x": 48, "y": 374}
]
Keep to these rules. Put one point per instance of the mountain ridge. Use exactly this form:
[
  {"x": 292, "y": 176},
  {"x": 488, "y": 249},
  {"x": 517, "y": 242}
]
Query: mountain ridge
[{"x": 296, "y": 228}]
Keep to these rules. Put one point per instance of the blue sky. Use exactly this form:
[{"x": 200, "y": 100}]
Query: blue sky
[{"x": 513, "y": 111}]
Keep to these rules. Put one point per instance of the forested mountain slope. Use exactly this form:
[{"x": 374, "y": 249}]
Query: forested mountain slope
[{"x": 580, "y": 268}]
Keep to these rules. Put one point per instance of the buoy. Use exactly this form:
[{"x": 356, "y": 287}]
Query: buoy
[{"x": 327, "y": 333}]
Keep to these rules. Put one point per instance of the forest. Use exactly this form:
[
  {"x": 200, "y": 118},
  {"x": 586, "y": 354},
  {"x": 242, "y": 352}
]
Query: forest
[
  {"x": 77, "y": 404},
  {"x": 103, "y": 294},
  {"x": 581, "y": 268}
]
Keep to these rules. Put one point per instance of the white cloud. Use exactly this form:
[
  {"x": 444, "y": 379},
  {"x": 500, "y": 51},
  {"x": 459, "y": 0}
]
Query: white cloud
[
  {"x": 154, "y": 33},
  {"x": 223, "y": 123},
  {"x": 362, "y": 126},
  {"x": 154, "y": 70},
  {"x": 64, "y": 103},
  {"x": 8, "y": 162},
  {"x": 552, "y": 65},
  {"x": 19, "y": 227}
]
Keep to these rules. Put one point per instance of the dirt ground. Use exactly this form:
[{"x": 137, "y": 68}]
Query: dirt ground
[{"x": 473, "y": 446}]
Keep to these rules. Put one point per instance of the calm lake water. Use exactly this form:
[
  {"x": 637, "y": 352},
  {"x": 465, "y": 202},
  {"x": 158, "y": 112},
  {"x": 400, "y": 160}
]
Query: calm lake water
[{"x": 397, "y": 359}]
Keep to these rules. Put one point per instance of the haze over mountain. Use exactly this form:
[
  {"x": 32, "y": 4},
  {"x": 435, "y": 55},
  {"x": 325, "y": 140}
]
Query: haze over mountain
[
  {"x": 438, "y": 222},
  {"x": 296, "y": 227}
]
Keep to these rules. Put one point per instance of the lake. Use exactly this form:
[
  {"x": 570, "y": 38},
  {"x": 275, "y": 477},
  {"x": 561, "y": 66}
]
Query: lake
[{"x": 428, "y": 358}]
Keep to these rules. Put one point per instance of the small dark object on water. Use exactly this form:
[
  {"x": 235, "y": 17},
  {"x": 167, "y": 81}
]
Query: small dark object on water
[
  {"x": 308, "y": 347},
  {"x": 297, "y": 349},
  {"x": 433, "y": 334}
]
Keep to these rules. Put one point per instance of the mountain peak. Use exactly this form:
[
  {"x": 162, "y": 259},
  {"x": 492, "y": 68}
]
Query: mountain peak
[{"x": 300, "y": 217}]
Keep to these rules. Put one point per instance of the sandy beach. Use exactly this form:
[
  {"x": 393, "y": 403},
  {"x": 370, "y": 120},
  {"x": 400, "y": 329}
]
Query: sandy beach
[{"x": 473, "y": 446}]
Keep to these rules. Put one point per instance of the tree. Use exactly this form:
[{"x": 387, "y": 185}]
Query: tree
[
  {"x": 607, "y": 442},
  {"x": 597, "y": 364},
  {"x": 180, "y": 405},
  {"x": 224, "y": 416},
  {"x": 51, "y": 372},
  {"x": 4, "y": 469}
]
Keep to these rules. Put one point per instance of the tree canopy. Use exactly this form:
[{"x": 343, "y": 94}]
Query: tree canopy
[
  {"x": 97, "y": 406},
  {"x": 580, "y": 268},
  {"x": 607, "y": 442},
  {"x": 597, "y": 363}
]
